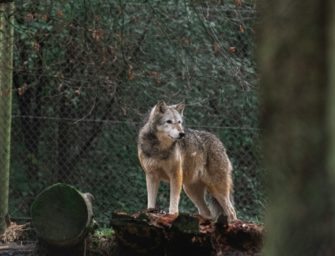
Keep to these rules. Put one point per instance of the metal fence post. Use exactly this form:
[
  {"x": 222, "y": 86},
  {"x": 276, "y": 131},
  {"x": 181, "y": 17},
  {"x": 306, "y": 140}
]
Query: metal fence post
[{"x": 6, "y": 71}]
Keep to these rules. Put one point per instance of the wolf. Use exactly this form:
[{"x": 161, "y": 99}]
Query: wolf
[{"x": 190, "y": 159}]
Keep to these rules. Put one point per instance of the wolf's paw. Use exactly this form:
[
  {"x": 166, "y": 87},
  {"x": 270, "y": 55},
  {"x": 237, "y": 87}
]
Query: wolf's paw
[{"x": 154, "y": 210}]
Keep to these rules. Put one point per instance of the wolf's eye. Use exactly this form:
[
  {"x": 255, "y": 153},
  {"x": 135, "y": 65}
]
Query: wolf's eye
[
  {"x": 169, "y": 121},
  {"x": 179, "y": 122}
]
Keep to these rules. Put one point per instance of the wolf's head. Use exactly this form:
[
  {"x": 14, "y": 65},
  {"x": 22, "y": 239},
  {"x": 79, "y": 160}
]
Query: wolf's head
[{"x": 167, "y": 121}]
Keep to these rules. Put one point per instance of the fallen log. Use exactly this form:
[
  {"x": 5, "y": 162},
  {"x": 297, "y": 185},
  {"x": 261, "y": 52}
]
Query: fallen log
[{"x": 162, "y": 234}]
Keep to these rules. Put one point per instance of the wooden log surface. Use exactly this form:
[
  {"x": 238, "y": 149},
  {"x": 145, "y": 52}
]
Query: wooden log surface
[{"x": 156, "y": 233}]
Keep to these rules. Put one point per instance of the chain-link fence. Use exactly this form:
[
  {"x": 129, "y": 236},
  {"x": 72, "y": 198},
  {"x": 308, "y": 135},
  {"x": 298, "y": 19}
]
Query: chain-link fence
[{"x": 86, "y": 72}]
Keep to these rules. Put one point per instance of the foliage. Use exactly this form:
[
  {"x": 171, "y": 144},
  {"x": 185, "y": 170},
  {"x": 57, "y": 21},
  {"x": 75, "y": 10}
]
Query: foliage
[{"x": 86, "y": 72}]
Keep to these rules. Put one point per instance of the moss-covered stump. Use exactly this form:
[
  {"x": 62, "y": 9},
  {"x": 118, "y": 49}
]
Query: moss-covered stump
[
  {"x": 62, "y": 215},
  {"x": 163, "y": 234}
]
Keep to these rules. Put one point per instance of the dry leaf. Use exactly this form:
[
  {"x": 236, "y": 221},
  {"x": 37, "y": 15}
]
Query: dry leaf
[
  {"x": 131, "y": 75},
  {"x": 97, "y": 34},
  {"x": 155, "y": 75},
  {"x": 44, "y": 17},
  {"x": 232, "y": 49},
  {"x": 22, "y": 89},
  {"x": 36, "y": 46},
  {"x": 59, "y": 13},
  {"x": 29, "y": 17},
  {"x": 238, "y": 3},
  {"x": 216, "y": 48}
]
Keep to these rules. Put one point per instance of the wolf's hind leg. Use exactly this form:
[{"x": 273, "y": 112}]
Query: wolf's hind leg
[
  {"x": 223, "y": 197},
  {"x": 196, "y": 192},
  {"x": 152, "y": 189}
]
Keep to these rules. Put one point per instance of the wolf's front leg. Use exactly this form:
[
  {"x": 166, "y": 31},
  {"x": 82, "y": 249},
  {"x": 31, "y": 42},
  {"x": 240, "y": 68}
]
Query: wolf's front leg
[
  {"x": 152, "y": 189},
  {"x": 176, "y": 182}
]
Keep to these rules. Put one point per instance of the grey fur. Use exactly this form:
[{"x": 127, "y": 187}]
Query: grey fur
[{"x": 195, "y": 159}]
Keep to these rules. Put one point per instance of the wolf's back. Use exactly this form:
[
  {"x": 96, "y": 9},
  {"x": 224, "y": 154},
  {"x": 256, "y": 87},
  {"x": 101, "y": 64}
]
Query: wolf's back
[{"x": 202, "y": 141}]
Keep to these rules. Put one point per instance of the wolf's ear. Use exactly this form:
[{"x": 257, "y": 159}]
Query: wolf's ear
[
  {"x": 161, "y": 107},
  {"x": 180, "y": 108}
]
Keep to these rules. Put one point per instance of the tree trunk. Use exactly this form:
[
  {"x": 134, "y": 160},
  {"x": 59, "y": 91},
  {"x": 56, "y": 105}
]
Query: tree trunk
[
  {"x": 297, "y": 90},
  {"x": 331, "y": 97},
  {"x": 6, "y": 74},
  {"x": 29, "y": 86}
]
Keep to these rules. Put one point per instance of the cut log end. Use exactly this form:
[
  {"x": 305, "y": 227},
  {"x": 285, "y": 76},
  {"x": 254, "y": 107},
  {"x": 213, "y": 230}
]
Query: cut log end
[{"x": 61, "y": 215}]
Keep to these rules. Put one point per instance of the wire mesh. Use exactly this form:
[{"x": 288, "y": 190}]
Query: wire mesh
[{"x": 86, "y": 72}]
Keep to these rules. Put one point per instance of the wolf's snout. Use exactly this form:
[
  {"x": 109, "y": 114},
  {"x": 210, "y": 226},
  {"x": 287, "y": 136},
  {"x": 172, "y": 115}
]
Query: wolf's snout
[{"x": 181, "y": 135}]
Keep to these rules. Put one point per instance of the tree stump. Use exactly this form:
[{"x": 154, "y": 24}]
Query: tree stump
[{"x": 61, "y": 215}]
